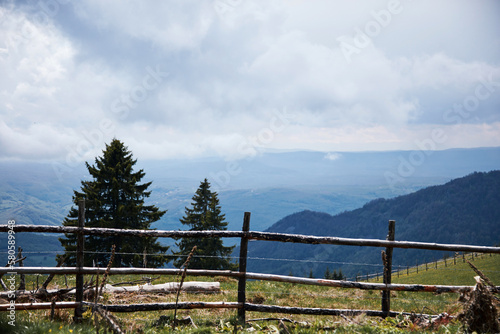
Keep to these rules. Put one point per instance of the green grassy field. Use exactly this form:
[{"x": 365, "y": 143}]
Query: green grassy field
[
  {"x": 454, "y": 272},
  {"x": 275, "y": 293}
]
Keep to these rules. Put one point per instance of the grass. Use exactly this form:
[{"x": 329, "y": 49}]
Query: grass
[
  {"x": 274, "y": 293},
  {"x": 456, "y": 272}
]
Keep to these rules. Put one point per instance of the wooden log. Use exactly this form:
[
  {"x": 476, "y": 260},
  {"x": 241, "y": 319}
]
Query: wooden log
[
  {"x": 168, "y": 306},
  {"x": 10, "y": 265},
  {"x": 360, "y": 285},
  {"x": 120, "y": 271},
  {"x": 387, "y": 255},
  {"x": 203, "y": 305},
  {"x": 22, "y": 282},
  {"x": 281, "y": 237},
  {"x": 257, "y": 276},
  {"x": 243, "y": 268},
  {"x": 179, "y": 287},
  {"x": 318, "y": 311},
  {"x": 52, "y": 310},
  {"x": 39, "y": 306},
  {"x": 41, "y": 294},
  {"x": 295, "y": 238},
  {"x": 122, "y": 232},
  {"x": 171, "y": 287},
  {"x": 188, "y": 287},
  {"x": 80, "y": 244}
]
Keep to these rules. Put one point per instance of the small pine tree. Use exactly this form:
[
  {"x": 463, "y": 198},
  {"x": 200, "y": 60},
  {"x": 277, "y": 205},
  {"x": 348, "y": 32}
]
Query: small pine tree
[
  {"x": 115, "y": 199},
  {"x": 205, "y": 214},
  {"x": 327, "y": 273},
  {"x": 340, "y": 275}
]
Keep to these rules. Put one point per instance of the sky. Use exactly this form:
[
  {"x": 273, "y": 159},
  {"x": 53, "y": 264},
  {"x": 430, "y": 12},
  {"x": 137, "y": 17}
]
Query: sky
[{"x": 228, "y": 78}]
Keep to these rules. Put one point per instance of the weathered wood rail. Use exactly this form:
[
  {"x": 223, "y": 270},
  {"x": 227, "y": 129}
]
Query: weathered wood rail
[
  {"x": 248, "y": 275},
  {"x": 252, "y": 235},
  {"x": 242, "y": 275}
]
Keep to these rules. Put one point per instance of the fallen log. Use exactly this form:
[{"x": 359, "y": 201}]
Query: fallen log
[
  {"x": 40, "y": 294},
  {"x": 170, "y": 287},
  {"x": 38, "y": 306}
]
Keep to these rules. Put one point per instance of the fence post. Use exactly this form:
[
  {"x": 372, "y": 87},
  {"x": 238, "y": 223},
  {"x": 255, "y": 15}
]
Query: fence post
[
  {"x": 79, "y": 261},
  {"x": 22, "y": 283},
  {"x": 243, "y": 268},
  {"x": 386, "y": 295}
]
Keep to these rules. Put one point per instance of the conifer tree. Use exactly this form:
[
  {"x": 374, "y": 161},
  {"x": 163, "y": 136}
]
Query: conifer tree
[
  {"x": 115, "y": 199},
  {"x": 205, "y": 214},
  {"x": 340, "y": 275},
  {"x": 328, "y": 275}
]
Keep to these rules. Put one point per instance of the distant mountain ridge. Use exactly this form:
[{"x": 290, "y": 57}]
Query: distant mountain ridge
[{"x": 462, "y": 211}]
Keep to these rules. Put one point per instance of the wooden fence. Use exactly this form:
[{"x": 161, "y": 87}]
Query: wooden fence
[{"x": 242, "y": 275}]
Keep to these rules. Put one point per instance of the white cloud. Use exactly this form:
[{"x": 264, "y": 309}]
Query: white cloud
[
  {"x": 172, "y": 25},
  {"x": 230, "y": 70},
  {"x": 333, "y": 156}
]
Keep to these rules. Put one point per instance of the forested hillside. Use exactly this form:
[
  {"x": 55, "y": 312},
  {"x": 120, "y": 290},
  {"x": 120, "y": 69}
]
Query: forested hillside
[{"x": 462, "y": 211}]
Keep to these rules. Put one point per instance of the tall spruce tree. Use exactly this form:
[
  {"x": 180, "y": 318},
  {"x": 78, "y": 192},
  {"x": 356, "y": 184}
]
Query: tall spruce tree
[
  {"x": 205, "y": 214},
  {"x": 115, "y": 199}
]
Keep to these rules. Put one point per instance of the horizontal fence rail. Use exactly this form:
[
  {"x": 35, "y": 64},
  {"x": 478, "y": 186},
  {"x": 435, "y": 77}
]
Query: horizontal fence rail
[
  {"x": 252, "y": 235},
  {"x": 168, "y": 306},
  {"x": 248, "y": 275},
  {"x": 204, "y": 305}
]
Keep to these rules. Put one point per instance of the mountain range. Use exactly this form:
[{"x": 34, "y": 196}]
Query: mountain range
[{"x": 463, "y": 211}]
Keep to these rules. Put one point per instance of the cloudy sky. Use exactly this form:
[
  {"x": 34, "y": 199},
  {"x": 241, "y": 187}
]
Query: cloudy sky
[{"x": 176, "y": 79}]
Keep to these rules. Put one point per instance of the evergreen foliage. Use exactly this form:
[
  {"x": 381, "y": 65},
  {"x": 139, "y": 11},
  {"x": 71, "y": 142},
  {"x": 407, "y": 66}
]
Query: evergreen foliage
[
  {"x": 334, "y": 275},
  {"x": 115, "y": 199},
  {"x": 205, "y": 214},
  {"x": 327, "y": 275}
]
